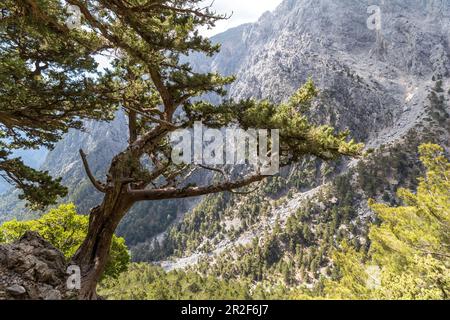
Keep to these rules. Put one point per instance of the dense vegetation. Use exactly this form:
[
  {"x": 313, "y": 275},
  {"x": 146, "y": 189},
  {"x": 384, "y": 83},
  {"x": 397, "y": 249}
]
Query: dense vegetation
[
  {"x": 145, "y": 282},
  {"x": 411, "y": 246}
]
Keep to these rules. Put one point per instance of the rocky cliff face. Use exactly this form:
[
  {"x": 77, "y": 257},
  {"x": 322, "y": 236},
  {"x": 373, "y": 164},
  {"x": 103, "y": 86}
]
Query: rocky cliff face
[
  {"x": 32, "y": 268},
  {"x": 368, "y": 77},
  {"x": 374, "y": 81}
]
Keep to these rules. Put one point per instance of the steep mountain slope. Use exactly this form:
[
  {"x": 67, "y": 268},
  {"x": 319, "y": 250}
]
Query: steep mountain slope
[{"x": 388, "y": 86}]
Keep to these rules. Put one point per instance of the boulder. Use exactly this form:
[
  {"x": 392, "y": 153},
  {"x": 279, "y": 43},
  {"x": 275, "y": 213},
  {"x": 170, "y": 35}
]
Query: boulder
[{"x": 32, "y": 269}]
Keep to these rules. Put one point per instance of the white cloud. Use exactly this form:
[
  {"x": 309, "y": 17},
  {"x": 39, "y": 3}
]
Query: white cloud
[{"x": 243, "y": 11}]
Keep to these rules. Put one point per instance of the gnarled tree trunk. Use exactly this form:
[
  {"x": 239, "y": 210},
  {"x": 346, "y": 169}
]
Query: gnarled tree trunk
[{"x": 92, "y": 256}]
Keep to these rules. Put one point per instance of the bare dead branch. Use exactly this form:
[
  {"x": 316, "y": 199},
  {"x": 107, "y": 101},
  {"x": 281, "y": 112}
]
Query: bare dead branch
[{"x": 98, "y": 185}]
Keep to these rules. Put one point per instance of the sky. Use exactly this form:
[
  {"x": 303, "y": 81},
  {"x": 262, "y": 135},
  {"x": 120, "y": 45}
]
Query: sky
[{"x": 244, "y": 11}]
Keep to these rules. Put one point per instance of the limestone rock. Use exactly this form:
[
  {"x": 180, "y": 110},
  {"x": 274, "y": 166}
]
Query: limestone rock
[
  {"x": 16, "y": 290},
  {"x": 31, "y": 268}
]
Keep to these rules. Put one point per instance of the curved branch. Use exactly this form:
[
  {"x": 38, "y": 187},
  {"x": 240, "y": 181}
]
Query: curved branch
[
  {"x": 98, "y": 185},
  {"x": 174, "y": 193}
]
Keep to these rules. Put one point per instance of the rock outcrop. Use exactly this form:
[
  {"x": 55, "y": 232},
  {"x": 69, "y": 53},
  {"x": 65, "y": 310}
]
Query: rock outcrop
[{"x": 32, "y": 269}]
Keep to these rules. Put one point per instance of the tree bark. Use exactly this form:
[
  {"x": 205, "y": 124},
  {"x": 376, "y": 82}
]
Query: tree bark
[{"x": 92, "y": 255}]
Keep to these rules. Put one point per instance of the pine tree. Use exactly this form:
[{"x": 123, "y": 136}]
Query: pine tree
[
  {"x": 48, "y": 84},
  {"x": 413, "y": 242},
  {"x": 411, "y": 246}
]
